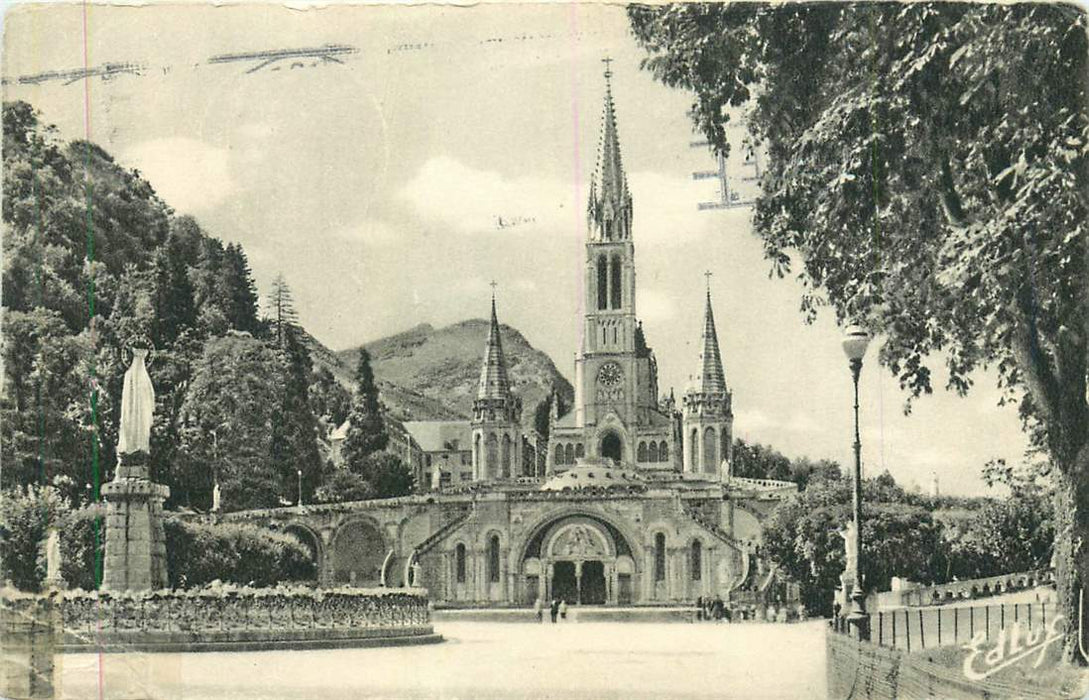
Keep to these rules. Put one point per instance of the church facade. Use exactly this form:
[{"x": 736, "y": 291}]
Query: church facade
[{"x": 636, "y": 503}]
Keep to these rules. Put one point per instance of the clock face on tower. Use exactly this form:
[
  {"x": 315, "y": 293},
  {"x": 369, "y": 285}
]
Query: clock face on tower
[{"x": 610, "y": 375}]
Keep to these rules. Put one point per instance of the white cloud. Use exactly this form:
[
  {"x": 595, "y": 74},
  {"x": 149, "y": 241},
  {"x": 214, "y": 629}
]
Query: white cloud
[
  {"x": 188, "y": 174},
  {"x": 469, "y": 201},
  {"x": 746, "y": 420}
]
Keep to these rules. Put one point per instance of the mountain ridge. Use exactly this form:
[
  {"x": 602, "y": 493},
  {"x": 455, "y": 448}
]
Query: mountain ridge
[{"x": 428, "y": 373}]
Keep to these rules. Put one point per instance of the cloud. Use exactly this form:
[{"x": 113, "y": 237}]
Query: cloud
[
  {"x": 746, "y": 420},
  {"x": 469, "y": 201},
  {"x": 190, "y": 175}
]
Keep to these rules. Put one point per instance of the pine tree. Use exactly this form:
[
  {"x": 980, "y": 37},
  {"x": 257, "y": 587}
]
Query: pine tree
[
  {"x": 294, "y": 428},
  {"x": 281, "y": 310},
  {"x": 236, "y": 292},
  {"x": 175, "y": 303},
  {"x": 367, "y": 433}
]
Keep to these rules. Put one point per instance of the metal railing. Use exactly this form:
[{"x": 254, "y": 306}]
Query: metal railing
[{"x": 915, "y": 629}]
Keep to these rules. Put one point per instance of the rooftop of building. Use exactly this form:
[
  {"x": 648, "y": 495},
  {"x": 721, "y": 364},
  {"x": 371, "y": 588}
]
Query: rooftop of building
[{"x": 441, "y": 435}]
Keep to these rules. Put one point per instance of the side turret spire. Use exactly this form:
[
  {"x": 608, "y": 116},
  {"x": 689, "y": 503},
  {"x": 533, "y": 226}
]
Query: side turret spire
[
  {"x": 494, "y": 383},
  {"x": 711, "y": 377}
]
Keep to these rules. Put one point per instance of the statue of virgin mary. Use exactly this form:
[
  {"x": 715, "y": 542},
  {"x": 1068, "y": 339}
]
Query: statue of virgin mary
[{"x": 137, "y": 405}]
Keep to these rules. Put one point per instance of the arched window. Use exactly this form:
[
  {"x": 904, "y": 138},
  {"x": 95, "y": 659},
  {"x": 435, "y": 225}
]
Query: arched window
[
  {"x": 493, "y": 457},
  {"x": 506, "y": 455},
  {"x": 579, "y": 451},
  {"x": 459, "y": 563},
  {"x": 710, "y": 444},
  {"x": 659, "y": 557},
  {"x": 724, "y": 454},
  {"x": 652, "y": 452},
  {"x": 602, "y": 283},
  {"x": 493, "y": 559},
  {"x": 476, "y": 457},
  {"x": 641, "y": 452},
  {"x": 663, "y": 451},
  {"x": 558, "y": 458},
  {"x": 696, "y": 560},
  {"x": 694, "y": 450},
  {"x": 616, "y": 334},
  {"x": 616, "y": 286},
  {"x": 569, "y": 453}
]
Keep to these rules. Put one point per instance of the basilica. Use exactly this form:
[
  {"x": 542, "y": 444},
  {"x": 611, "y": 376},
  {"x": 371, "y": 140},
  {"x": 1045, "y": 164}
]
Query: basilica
[{"x": 630, "y": 501}]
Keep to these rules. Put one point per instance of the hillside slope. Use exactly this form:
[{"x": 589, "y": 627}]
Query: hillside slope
[{"x": 431, "y": 374}]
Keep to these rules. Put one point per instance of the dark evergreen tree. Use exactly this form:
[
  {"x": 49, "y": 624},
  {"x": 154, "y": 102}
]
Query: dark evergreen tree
[
  {"x": 294, "y": 445},
  {"x": 175, "y": 303},
  {"x": 367, "y": 433},
  {"x": 237, "y": 293},
  {"x": 329, "y": 400}
]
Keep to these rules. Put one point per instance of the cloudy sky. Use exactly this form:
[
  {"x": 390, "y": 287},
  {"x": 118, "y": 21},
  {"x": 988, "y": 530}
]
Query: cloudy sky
[{"x": 376, "y": 184}]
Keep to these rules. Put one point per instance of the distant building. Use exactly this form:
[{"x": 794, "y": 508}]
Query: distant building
[
  {"x": 445, "y": 451},
  {"x": 934, "y": 490}
]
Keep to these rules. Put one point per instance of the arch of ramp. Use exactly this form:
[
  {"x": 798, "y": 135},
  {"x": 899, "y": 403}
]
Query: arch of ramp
[
  {"x": 346, "y": 525},
  {"x": 540, "y": 528},
  {"x": 311, "y": 536}
]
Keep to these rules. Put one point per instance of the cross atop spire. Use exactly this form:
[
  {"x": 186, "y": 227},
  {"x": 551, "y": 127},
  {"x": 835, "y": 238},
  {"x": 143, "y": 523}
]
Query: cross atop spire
[
  {"x": 609, "y": 209},
  {"x": 494, "y": 383},
  {"x": 708, "y": 274}
]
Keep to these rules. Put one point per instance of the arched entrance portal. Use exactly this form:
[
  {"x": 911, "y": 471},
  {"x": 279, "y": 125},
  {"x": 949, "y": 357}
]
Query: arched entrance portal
[
  {"x": 580, "y": 559},
  {"x": 610, "y": 446}
]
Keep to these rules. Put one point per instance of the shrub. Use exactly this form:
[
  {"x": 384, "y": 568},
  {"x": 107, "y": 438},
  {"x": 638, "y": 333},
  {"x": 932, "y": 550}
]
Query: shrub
[
  {"x": 199, "y": 553},
  {"x": 83, "y": 547}
]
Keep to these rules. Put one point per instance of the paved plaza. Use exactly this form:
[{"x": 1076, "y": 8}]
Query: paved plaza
[{"x": 487, "y": 660}]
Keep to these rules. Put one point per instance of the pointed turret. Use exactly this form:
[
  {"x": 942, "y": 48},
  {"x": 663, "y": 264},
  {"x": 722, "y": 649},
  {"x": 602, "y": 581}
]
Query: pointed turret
[
  {"x": 708, "y": 412},
  {"x": 609, "y": 210},
  {"x": 710, "y": 379},
  {"x": 497, "y": 414},
  {"x": 493, "y": 373}
]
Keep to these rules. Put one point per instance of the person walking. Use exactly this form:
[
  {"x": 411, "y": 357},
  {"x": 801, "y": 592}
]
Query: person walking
[
  {"x": 563, "y": 608},
  {"x": 538, "y": 607},
  {"x": 553, "y": 608}
]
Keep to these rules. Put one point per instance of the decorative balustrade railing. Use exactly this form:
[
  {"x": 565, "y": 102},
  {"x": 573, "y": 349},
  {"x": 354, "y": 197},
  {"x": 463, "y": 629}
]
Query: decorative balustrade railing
[{"x": 239, "y": 610}]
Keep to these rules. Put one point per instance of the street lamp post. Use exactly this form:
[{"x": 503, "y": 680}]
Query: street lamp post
[
  {"x": 855, "y": 342},
  {"x": 299, "y": 472}
]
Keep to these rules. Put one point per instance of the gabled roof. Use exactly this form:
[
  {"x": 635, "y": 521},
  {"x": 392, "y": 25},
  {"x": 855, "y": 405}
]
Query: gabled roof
[{"x": 440, "y": 435}]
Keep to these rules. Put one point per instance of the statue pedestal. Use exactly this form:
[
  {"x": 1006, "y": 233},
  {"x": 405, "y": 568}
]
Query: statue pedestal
[{"x": 135, "y": 543}]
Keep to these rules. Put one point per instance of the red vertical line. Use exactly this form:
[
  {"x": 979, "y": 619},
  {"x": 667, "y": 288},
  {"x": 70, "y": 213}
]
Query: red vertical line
[{"x": 956, "y": 624}]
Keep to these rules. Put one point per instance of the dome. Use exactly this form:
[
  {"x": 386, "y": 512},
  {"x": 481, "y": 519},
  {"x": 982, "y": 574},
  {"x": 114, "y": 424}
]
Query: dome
[{"x": 590, "y": 475}]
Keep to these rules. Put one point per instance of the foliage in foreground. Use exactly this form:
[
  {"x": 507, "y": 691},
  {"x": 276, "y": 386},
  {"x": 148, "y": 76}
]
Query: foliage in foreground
[{"x": 927, "y": 176}]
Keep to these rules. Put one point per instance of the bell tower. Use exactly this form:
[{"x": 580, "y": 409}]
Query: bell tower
[{"x": 606, "y": 376}]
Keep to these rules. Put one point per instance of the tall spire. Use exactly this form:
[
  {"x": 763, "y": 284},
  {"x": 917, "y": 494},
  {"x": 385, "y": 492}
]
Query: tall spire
[
  {"x": 493, "y": 374},
  {"x": 711, "y": 379},
  {"x": 609, "y": 209}
]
